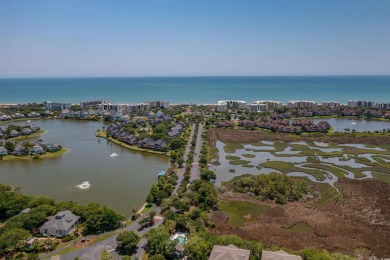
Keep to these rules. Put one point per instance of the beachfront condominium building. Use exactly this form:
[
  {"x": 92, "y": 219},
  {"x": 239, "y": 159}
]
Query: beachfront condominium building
[
  {"x": 56, "y": 106},
  {"x": 236, "y": 104},
  {"x": 128, "y": 108},
  {"x": 383, "y": 105},
  {"x": 269, "y": 103},
  {"x": 257, "y": 107},
  {"x": 361, "y": 103},
  {"x": 91, "y": 103},
  {"x": 331, "y": 104},
  {"x": 221, "y": 106},
  {"x": 301, "y": 103},
  {"x": 158, "y": 104}
]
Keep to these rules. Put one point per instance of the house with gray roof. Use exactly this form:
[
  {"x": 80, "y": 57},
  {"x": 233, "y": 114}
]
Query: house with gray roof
[
  {"x": 61, "y": 225},
  {"x": 14, "y": 133},
  {"x": 37, "y": 149},
  {"x": 3, "y": 151},
  {"x": 230, "y": 252},
  {"x": 26, "y": 131}
]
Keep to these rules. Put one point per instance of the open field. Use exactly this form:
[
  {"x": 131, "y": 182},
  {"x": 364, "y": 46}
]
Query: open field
[
  {"x": 248, "y": 136},
  {"x": 356, "y": 219}
]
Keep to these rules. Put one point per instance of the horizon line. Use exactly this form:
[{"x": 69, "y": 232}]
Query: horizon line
[{"x": 196, "y": 76}]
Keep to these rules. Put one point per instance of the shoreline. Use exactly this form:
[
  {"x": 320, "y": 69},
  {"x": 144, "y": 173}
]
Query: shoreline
[
  {"x": 29, "y": 157},
  {"x": 102, "y": 134},
  {"x": 26, "y": 137}
]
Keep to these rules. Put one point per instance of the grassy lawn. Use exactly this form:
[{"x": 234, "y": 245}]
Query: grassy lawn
[
  {"x": 212, "y": 154},
  {"x": 146, "y": 208},
  {"x": 232, "y": 147},
  {"x": 67, "y": 250},
  {"x": 104, "y": 236},
  {"x": 238, "y": 162},
  {"x": 382, "y": 176},
  {"x": 240, "y": 212},
  {"x": 336, "y": 171},
  {"x": 286, "y": 167},
  {"x": 247, "y": 155},
  {"x": 232, "y": 157},
  {"x": 105, "y": 255},
  {"x": 301, "y": 227}
]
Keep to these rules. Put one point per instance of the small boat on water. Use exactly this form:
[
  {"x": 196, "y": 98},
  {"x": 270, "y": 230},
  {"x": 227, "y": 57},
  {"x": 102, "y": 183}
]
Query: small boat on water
[
  {"x": 114, "y": 155},
  {"x": 84, "y": 185}
]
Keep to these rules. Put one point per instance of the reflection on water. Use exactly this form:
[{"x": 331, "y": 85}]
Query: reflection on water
[
  {"x": 340, "y": 124},
  {"x": 121, "y": 182}
]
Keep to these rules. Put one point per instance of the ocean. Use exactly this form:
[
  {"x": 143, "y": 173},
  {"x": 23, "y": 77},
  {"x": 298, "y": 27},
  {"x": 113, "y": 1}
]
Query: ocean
[{"x": 197, "y": 90}]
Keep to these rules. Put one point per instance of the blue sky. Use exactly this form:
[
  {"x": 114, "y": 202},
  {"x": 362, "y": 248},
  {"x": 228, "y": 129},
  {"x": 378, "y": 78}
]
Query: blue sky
[{"x": 179, "y": 38}]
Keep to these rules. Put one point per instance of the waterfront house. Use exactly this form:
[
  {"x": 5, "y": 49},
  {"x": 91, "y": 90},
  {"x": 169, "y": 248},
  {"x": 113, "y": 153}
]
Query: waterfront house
[
  {"x": 17, "y": 116},
  {"x": 33, "y": 114},
  {"x": 20, "y": 150},
  {"x": 61, "y": 225},
  {"x": 3, "y": 129},
  {"x": 229, "y": 252},
  {"x": 66, "y": 113},
  {"x": 53, "y": 147},
  {"x": 26, "y": 131},
  {"x": 14, "y": 133},
  {"x": 5, "y": 118},
  {"x": 160, "y": 145},
  {"x": 3, "y": 151},
  {"x": 34, "y": 128},
  {"x": 160, "y": 174},
  {"x": 48, "y": 113},
  {"x": 37, "y": 149}
]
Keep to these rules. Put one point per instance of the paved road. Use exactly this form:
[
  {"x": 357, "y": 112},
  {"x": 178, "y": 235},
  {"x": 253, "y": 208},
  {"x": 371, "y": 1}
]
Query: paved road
[
  {"x": 140, "y": 250},
  {"x": 185, "y": 157},
  {"x": 93, "y": 252},
  {"x": 195, "y": 170}
]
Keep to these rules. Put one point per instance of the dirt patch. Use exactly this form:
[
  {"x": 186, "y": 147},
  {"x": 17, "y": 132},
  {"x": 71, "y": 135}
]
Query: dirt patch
[
  {"x": 360, "y": 219},
  {"x": 86, "y": 243},
  {"x": 248, "y": 136}
]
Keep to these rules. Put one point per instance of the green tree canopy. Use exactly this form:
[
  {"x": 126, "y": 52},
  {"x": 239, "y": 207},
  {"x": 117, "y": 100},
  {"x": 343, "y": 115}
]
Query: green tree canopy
[{"x": 127, "y": 242}]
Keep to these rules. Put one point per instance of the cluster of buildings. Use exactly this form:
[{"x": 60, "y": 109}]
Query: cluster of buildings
[
  {"x": 225, "y": 105},
  {"x": 256, "y": 106},
  {"x": 296, "y": 126},
  {"x": 129, "y": 108},
  {"x": 8, "y": 132},
  {"x": 117, "y": 131},
  {"x": 37, "y": 148},
  {"x": 280, "y": 125},
  {"x": 368, "y": 104},
  {"x": 4, "y": 117},
  {"x": 267, "y": 105}
]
